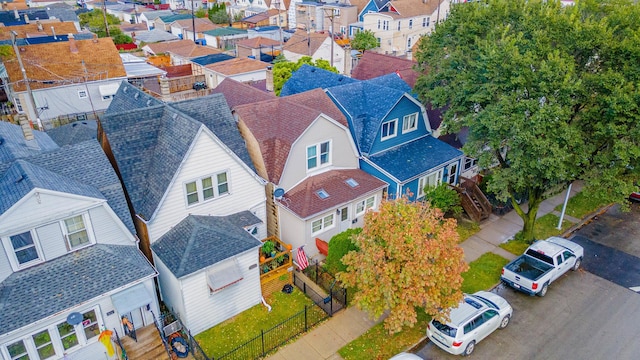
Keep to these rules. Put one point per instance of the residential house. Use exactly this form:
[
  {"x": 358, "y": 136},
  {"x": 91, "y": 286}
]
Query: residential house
[
  {"x": 189, "y": 176},
  {"x": 302, "y": 145},
  {"x": 271, "y": 17},
  {"x": 164, "y": 22},
  {"x": 180, "y": 51},
  {"x": 149, "y": 17},
  {"x": 337, "y": 17},
  {"x": 317, "y": 46},
  {"x": 246, "y": 8},
  {"x": 66, "y": 77},
  {"x": 37, "y": 29},
  {"x": 223, "y": 37},
  {"x": 69, "y": 264},
  {"x": 391, "y": 130},
  {"x": 239, "y": 69},
  {"x": 184, "y": 28},
  {"x": 270, "y": 32},
  {"x": 152, "y": 36},
  {"x": 259, "y": 47},
  {"x": 399, "y": 24}
]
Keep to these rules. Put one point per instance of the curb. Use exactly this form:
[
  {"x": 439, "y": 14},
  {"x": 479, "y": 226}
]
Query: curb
[{"x": 586, "y": 220}]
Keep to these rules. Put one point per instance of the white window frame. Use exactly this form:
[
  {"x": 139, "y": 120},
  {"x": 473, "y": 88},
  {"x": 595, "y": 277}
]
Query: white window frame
[
  {"x": 324, "y": 223},
  {"x": 18, "y": 104},
  {"x": 426, "y": 21},
  {"x": 469, "y": 163},
  {"x": 200, "y": 188},
  {"x": 107, "y": 97},
  {"x": 410, "y": 23},
  {"x": 362, "y": 206},
  {"x": 83, "y": 94},
  {"x": 11, "y": 252},
  {"x": 405, "y": 122},
  {"x": 399, "y": 25},
  {"x": 318, "y": 155},
  {"x": 423, "y": 181},
  {"x": 395, "y": 130},
  {"x": 87, "y": 228},
  {"x": 336, "y": 12}
]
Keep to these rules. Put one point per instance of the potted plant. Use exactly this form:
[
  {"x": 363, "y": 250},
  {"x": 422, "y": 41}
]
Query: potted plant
[{"x": 269, "y": 248}]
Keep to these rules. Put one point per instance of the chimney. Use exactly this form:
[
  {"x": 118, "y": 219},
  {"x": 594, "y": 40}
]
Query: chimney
[
  {"x": 27, "y": 131},
  {"x": 4, "y": 5},
  {"x": 15, "y": 14},
  {"x": 40, "y": 28},
  {"x": 26, "y": 18},
  {"x": 165, "y": 89},
  {"x": 53, "y": 31},
  {"x": 269, "y": 83},
  {"x": 72, "y": 44}
]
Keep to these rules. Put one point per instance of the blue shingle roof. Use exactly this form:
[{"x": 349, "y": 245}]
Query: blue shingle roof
[
  {"x": 13, "y": 145},
  {"x": 415, "y": 158},
  {"x": 211, "y": 59},
  {"x": 22, "y": 177},
  {"x": 198, "y": 242},
  {"x": 309, "y": 77},
  {"x": 60, "y": 284},
  {"x": 391, "y": 81}
]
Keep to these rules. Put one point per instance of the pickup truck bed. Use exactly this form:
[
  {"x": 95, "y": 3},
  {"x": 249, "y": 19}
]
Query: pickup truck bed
[{"x": 529, "y": 267}]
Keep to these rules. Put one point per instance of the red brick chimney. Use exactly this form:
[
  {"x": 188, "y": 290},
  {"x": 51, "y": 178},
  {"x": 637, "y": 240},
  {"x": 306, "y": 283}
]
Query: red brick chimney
[{"x": 72, "y": 44}]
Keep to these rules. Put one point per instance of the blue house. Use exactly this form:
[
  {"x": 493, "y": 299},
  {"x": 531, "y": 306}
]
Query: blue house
[{"x": 390, "y": 128}]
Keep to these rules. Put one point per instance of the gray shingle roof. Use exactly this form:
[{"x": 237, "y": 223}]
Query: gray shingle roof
[
  {"x": 198, "y": 242},
  {"x": 150, "y": 139},
  {"x": 60, "y": 284},
  {"x": 76, "y": 132},
  {"x": 13, "y": 145},
  {"x": 22, "y": 177}
]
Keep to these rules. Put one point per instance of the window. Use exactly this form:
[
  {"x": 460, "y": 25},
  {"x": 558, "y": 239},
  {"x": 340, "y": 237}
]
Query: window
[
  {"x": 469, "y": 163},
  {"x": 322, "y": 224},
  {"x": 489, "y": 314},
  {"x": 82, "y": 94},
  {"x": 205, "y": 189},
  {"x": 389, "y": 129},
  {"x": 410, "y": 23},
  {"x": 379, "y": 42},
  {"x": 559, "y": 259},
  {"x": 351, "y": 182},
  {"x": 343, "y": 30},
  {"x": 409, "y": 122},
  {"x": 409, "y": 43},
  {"x": 90, "y": 324},
  {"x": 107, "y": 97},
  {"x": 44, "y": 346},
  {"x": 77, "y": 235},
  {"x": 322, "y": 194},
  {"x": 385, "y": 25},
  {"x": 379, "y": 22},
  {"x": 431, "y": 180},
  {"x": 18, "y": 104},
  {"x": 71, "y": 336},
  {"x": 24, "y": 248},
  {"x": 68, "y": 335},
  {"x": 18, "y": 351},
  {"x": 363, "y": 205},
  {"x": 425, "y": 22},
  {"x": 318, "y": 155},
  {"x": 399, "y": 24},
  {"x": 336, "y": 12}
]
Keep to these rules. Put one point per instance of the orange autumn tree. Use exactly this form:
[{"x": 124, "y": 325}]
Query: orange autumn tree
[{"x": 408, "y": 257}]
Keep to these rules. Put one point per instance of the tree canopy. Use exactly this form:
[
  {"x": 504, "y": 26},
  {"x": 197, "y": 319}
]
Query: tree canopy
[
  {"x": 408, "y": 257},
  {"x": 282, "y": 70},
  {"x": 548, "y": 93},
  {"x": 364, "y": 40},
  {"x": 94, "y": 21}
]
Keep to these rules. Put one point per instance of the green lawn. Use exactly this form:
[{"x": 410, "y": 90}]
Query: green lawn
[
  {"x": 544, "y": 228},
  {"x": 467, "y": 228},
  {"x": 230, "y": 334},
  {"x": 580, "y": 205},
  {"x": 376, "y": 343}
]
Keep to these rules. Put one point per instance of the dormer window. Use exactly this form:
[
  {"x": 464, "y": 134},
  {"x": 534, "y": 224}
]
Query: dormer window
[
  {"x": 409, "y": 122},
  {"x": 318, "y": 155},
  {"x": 389, "y": 129},
  {"x": 25, "y": 250},
  {"x": 76, "y": 232}
]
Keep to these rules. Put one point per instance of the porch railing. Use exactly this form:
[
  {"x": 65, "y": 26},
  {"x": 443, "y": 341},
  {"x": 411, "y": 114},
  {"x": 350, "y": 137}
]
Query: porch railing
[
  {"x": 119, "y": 343},
  {"x": 156, "y": 323}
]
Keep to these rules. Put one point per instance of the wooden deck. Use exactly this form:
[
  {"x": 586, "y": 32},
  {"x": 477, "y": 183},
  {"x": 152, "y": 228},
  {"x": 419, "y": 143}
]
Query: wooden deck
[{"x": 148, "y": 347}]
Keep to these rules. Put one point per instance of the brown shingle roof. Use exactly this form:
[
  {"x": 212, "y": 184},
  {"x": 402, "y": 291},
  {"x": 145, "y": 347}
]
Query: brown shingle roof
[
  {"x": 237, "y": 93},
  {"x": 184, "y": 48},
  {"x": 201, "y": 24},
  {"x": 303, "y": 43},
  {"x": 237, "y": 66},
  {"x": 412, "y": 8},
  {"x": 359, "y": 4},
  {"x": 31, "y": 30},
  {"x": 304, "y": 202},
  {"x": 278, "y": 122},
  {"x": 373, "y": 64},
  {"x": 53, "y": 64},
  {"x": 254, "y": 19},
  {"x": 257, "y": 42}
]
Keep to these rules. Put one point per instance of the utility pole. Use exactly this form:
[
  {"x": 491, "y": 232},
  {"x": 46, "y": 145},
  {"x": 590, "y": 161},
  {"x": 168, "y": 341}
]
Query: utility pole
[
  {"x": 331, "y": 16},
  {"x": 193, "y": 21},
  {"x": 25, "y": 78},
  {"x": 104, "y": 16}
]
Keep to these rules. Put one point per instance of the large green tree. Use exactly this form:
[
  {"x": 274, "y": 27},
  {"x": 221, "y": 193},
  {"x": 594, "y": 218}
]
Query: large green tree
[
  {"x": 407, "y": 257},
  {"x": 94, "y": 21},
  {"x": 364, "y": 40},
  {"x": 283, "y": 69},
  {"x": 549, "y": 94}
]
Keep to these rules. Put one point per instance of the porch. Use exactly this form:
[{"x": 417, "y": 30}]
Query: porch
[
  {"x": 148, "y": 345},
  {"x": 276, "y": 265}
]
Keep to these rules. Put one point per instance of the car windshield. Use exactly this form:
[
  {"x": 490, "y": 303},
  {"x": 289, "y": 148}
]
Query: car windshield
[
  {"x": 444, "y": 328},
  {"x": 488, "y": 302}
]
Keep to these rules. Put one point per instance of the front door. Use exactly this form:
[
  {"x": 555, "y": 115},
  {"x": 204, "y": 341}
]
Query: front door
[
  {"x": 345, "y": 221},
  {"x": 135, "y": 316}
]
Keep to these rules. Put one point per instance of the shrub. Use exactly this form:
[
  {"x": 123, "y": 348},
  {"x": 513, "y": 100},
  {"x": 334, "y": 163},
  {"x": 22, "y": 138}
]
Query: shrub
[
  {"x": 340, "y": 245},
  {"x": 444, "y": 198}
]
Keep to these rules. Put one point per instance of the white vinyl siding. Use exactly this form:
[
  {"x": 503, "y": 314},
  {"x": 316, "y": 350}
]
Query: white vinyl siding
[
  {"x": 170, "y": 288},
  {"x": 108, "y": 228}
]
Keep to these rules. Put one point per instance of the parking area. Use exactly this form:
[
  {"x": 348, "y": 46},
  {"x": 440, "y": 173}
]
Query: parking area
[{"x": 588, "y": 314}]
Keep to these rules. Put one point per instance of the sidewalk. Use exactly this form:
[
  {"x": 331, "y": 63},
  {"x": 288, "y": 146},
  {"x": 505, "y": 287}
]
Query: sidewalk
[{"x": 323, "y": 342}]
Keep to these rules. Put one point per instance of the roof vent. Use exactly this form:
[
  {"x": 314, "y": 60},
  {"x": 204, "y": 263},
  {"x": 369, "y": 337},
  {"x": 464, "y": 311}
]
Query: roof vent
[{"x": 136, "y": 96}]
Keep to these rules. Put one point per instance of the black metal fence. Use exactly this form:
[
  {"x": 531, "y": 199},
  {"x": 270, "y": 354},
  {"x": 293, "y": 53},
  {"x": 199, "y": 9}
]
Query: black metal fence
[
  {"x": 328, "y": 283},
  {"x": 278, "y": 335}
]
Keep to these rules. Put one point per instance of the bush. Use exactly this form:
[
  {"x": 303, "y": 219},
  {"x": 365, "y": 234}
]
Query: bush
[
  {"x": 444, "y": 198},
  {"x": 340, "y": 245}
]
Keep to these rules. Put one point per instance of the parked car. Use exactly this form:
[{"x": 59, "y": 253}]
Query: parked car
[
  {"x": 635, "y": 196},
  {"x": 475, "y": 318},
  {"x": 541, "y": 264},
  {"x": 406, "y": 356}
]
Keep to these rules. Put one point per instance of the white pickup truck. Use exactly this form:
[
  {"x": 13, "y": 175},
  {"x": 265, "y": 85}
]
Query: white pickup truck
[{"x": 541, "y": 264}]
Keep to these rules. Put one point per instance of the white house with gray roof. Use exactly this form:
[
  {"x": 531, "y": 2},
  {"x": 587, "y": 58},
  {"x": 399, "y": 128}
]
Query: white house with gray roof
[
  {"x": 67, "y": 250},
  {"x": 188, "y": 159}
]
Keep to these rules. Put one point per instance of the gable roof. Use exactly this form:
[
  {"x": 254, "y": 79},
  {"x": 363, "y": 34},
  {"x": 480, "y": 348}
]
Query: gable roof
[
  {"x": 257, "y": 42},
  {"x": 202, "y": 24},
  {"x": 237, "y": 93},
  {"x": 225, "y": 31},
  {"x": 238, "y": 66},
  {"x": 31, "y": 30},
  {"x": 75, "y": 132},
  {"x": 305, "y": 43},
  {"x": 198, "y": 242},
  {"x": 155, "y": 35},
  {"x": 13, "y": 145},
  {"x": 373, "y": 64},
  {"x": 303, "y": 200},
  {"x": 367, "y": 104},
  {"x": 416, "y": 158},
  {"x": 413, "y": 8},
  {"x": 309, "y": 77},
  {"x": 47, "y": 289},
  {"x": 168, "y": 19},
  {"x": 152, "y": 15},
  {"x": 185, "y": 48},
  {"x": 391, "y": 81},
  {"x": 54, "y": 64},
  {"x": 278, "y": 123},
  {"x": 254, "y": 19},
  {"x": 212, "y": 58},
  {"x": 149, "y": 140}
]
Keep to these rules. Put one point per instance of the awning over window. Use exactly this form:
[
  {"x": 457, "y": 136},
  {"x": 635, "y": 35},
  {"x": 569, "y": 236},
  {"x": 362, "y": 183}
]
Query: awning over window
[
  {"x": 224, "y": 275},
  {"x": 132, "y": 298},
  {"x": 109, "y": 89}
]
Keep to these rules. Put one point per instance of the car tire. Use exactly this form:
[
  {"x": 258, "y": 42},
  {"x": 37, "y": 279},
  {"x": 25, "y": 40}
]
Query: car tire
[
  {"x": 544, "y": 289},
  {"x": 576, "y": 266},
  {"x": 505, "y": 321},
  {"x": 469, "y": 349}
]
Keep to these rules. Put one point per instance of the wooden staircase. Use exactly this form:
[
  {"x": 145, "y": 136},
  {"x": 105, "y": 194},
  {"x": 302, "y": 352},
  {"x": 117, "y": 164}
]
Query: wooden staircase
[
  {"x": 473, "y": 200},
  {"x": 148, "y": 347}
]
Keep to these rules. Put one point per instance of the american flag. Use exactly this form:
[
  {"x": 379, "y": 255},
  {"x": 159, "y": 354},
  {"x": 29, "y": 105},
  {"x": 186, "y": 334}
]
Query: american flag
[{"x": 303, "y": 262}]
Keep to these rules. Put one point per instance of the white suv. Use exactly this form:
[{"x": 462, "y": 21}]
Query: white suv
[{"x": 474, "y": 319}]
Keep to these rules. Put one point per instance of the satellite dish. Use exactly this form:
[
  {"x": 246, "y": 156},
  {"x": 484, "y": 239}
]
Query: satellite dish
[
  {"x": 278, "y": 193},
  {"x": 74, "y": 318}
]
